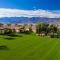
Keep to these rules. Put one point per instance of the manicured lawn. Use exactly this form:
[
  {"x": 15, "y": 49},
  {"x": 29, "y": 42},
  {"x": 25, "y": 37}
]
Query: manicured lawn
[{"x": 29, "y": 47}]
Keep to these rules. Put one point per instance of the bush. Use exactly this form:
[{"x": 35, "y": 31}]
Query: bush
[{"x": 8, "y": 31}]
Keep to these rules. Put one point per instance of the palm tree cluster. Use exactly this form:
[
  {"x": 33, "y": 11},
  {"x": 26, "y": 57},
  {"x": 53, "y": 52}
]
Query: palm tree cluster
[{"x": 46, "y": 29}]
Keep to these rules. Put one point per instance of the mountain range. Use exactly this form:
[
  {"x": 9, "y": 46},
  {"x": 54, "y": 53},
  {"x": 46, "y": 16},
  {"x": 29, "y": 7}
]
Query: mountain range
[{"x": 26, "y": 20}]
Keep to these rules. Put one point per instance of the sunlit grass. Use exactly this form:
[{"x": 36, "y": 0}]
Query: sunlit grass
[{"x": 29, "y": 47}]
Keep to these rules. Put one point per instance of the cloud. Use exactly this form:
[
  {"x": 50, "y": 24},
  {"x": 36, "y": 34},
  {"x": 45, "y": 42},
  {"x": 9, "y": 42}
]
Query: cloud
[{"x": 4, "y": 12}]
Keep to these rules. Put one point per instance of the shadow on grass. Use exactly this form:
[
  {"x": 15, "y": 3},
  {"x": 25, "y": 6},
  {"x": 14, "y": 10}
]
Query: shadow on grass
[
  {"x": 4, "y": 47},
  {"x": 9, "y": 38},
  {"x": 14, "y": 35}
]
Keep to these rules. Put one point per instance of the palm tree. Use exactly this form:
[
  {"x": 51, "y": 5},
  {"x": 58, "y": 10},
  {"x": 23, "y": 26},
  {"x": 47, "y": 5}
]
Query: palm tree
[
  {"x": 8, "y": 30},
  {"x": 30, "y": 28},
  {"x": 38, "y": 28},
  {"x": 42, "y": 27},
  {"x": 1, "y": 27},
  {"x": 53, "y": 28}
]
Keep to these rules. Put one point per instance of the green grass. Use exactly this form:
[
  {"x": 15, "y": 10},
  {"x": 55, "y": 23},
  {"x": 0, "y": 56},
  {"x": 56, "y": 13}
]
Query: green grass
[{"x": 29, "y": 47}]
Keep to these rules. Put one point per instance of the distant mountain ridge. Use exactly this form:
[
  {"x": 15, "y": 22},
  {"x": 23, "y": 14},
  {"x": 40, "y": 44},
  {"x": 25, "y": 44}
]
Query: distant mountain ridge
[{"x": 26, "y": 20}]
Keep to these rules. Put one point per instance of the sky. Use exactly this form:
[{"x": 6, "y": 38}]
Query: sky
[
  {"x": 30, "y": 8},
  {"x": 31, "y": 4}
]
